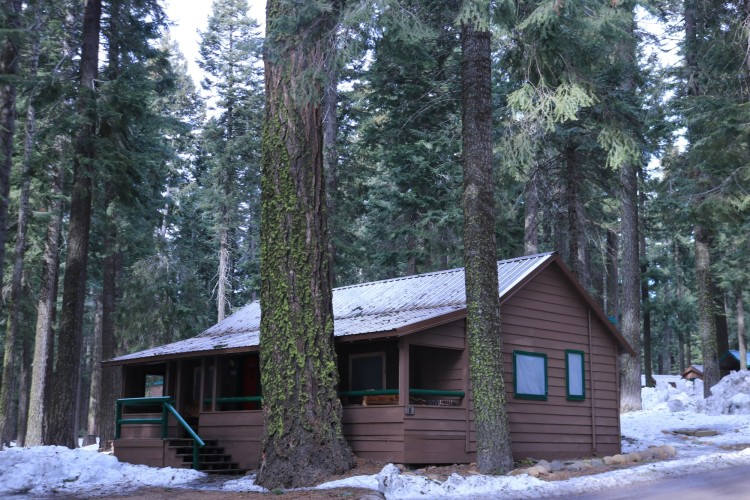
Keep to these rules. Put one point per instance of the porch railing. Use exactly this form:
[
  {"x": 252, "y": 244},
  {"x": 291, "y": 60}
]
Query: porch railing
[
  {"x": 166, "y": 405},
  {"x": 412, "y": 392}
]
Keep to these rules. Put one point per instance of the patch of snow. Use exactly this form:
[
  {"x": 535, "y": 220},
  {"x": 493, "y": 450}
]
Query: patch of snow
[
  {"x": 43, "y": 470},
  {"x": 245, "y": 483}
]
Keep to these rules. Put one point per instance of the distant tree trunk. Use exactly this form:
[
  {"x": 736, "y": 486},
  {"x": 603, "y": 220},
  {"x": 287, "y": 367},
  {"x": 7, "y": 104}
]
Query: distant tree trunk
[
  {"x": 24, "y": 386},
  {"x": 74, "y": 281},
  {"x": 720, "y": 320},
  {"x": 741, "y": 341},
  {"x": 41, "y": 374},
  {"x": 613, "y": 286},
  {"x": 222, "y": 285},
  {"x": 645, "y": 301},
  {"x": 9, "y": 55},
  {"x": 110, "y": 375},
  {"x": 483, "y": 329},
  {"x": 667, "y": 351},
  {"x": 92, "y": 424},
  {"x": 706, "y": 325},
  {"x": 531, "y": 218},
  {"x": 303, "y": 441},
  {"x": 575, "y": 252},
  {"x": 630, "y": 366}
]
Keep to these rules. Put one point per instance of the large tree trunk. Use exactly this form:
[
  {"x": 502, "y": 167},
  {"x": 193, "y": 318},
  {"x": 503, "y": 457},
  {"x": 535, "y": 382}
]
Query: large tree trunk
[
  {"x": 9, "y": 55},
  {"x": 66, "y": 381},
  {"x": 720, "y": 320},
  {"x": 303, "y": 440},
  {"x": 741, "y": 341},
  {"x": 41, "y": 374},
  {"x": 630, "y": 366},
  {"x": 92, "y": 423},
  {"x": 483, "y": 331},
  {"x": 706, "y": 325},
  {"x": 572, "y": 204}
]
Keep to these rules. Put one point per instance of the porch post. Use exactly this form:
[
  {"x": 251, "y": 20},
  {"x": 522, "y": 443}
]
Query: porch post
[{"x": 403, "y": 371}]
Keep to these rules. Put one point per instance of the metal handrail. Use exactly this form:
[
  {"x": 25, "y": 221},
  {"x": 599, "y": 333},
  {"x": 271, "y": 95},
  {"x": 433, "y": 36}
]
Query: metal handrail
[{"x": 166, "y": 408}]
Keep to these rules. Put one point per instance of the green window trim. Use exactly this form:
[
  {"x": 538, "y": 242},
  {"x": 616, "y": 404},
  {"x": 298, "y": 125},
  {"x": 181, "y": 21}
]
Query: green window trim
[
  {"x": 579, "y": 394},
  {"x": 518, "y": 391}
]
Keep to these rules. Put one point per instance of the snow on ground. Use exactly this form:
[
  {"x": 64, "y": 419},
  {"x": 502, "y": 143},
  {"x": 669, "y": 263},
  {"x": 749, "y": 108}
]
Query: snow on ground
[{"x": 47, "y": 470}]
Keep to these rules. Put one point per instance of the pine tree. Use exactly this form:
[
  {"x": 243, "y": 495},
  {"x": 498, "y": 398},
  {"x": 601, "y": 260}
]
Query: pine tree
[{"x": 303, "y": 440}]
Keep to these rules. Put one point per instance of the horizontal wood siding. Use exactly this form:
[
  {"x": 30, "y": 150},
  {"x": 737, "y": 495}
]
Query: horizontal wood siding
[
  {"x": 449, "y": 335},
  {"x": 140, "y": 451},
  {"x": 545, "y": 316},
  {"x": 140, "y": 431},
  {"x": 436, "y": 435},
  {"x": 239, "y": 432},
  {"x": 375, "y": 433}
]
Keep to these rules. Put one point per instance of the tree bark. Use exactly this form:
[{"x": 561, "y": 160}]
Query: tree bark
[
  {"x": 66, "y": 381},
  {"x": 303, "y": 440},
  {"x": 706, "y": 325},
  {"x": 613, "y": 286},
  {"x": 221, "y": 288},
  {"x": 92, "y": 424},
  {"x": 630, "y": 366},
  {"x": 110, "y": 375},
  {"x": 41, "y": 374},
  {"x": 9, "y": 55},
  {"x": 645, "y": 301},
  {"x": 741, "y": 341},
  {"x": 483, "y": 328},
  {"x": 575, "y": 252},
  {"x": 330, "y": 151}
]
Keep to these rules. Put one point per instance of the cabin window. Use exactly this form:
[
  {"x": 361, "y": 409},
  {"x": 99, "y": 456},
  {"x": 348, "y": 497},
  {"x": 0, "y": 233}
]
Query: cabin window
[
  {"x": 575, "y": 375},
  {"x": 367, "y": 371},
  {"x": 530, "y": 375}
]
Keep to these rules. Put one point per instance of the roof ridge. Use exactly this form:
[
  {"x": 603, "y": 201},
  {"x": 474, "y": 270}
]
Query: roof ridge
[{"x": 444, "y": 271}]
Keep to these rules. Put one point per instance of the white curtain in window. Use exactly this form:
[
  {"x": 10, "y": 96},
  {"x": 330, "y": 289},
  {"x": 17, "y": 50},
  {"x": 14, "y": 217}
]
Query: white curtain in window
[
  {"x": 575, "y": 374},
  {"x": 530, "y": 377}
]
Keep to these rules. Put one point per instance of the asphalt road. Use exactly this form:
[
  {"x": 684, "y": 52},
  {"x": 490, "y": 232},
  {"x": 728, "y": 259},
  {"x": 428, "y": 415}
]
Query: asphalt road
[{"x": 731, "y": 483}]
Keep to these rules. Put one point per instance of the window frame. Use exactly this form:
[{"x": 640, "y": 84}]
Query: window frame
[
  {"x": 376, "y": 354},
  {"x": 521, "y": 395},
  {"x": 569, "y": 396}
]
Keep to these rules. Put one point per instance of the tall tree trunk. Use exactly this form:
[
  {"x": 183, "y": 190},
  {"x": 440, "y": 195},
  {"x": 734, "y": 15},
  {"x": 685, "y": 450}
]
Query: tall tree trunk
[
  {"x": 66, "y": 381},
  {"x": 92, "y": 424},
  {"x": 706, "y": 325},
  {"x": 222, "y": 285},
  {"x": 110, "y": 375},
  {"x": 630, "y": 366},
  {"x": 575, "y": 252},
  {"x": 645, "y": 302},
  {"x": 303, "y": 441},
  {"x": 24, "y": 387},
  {"x": 483, "y": 329},
  {"x": 613, "y": 286},
  {"x": 531, "y": 217},
  {"x": 741, "y": 341},
  {"x": 720, "y": 320},
  {"x": 9, "y": 55},
  {"x": 41, "y": 374}
]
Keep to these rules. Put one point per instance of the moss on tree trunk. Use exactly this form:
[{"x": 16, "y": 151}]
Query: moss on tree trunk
[{"x": 303, "y": 441}]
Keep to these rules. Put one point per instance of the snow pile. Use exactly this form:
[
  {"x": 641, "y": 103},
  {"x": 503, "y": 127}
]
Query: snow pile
[
  {"x": 685, "y": 395},
  {"x": 43, "y": 470},
  {"x": 245, "y": 483},
  {"x": 731, "y": 396}
]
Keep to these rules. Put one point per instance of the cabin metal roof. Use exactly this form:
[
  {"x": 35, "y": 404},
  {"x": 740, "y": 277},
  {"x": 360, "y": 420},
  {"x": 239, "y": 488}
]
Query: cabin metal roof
[{"x": 394, "y": 306}]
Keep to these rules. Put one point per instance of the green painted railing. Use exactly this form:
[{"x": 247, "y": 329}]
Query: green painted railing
[
  {"x": 412, "y": 392},
  {"x": 166, "y": 405}
]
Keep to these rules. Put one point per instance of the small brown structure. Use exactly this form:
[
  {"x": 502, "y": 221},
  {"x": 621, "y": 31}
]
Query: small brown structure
[
  {"x": 693, "y": 372},
  {"x": 404, "y": 373}
]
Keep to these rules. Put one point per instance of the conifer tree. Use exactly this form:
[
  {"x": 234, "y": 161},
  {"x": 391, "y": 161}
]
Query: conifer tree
[{"x": 303, "y": 441}]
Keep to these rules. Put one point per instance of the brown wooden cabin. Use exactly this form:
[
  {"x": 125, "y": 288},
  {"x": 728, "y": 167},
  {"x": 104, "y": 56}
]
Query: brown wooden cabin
[{"x": 404, "y": 377}]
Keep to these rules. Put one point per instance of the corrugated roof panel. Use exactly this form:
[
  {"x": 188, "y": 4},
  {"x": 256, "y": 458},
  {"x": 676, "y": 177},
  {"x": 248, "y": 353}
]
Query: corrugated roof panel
[{"x": 379, "y": 306}]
